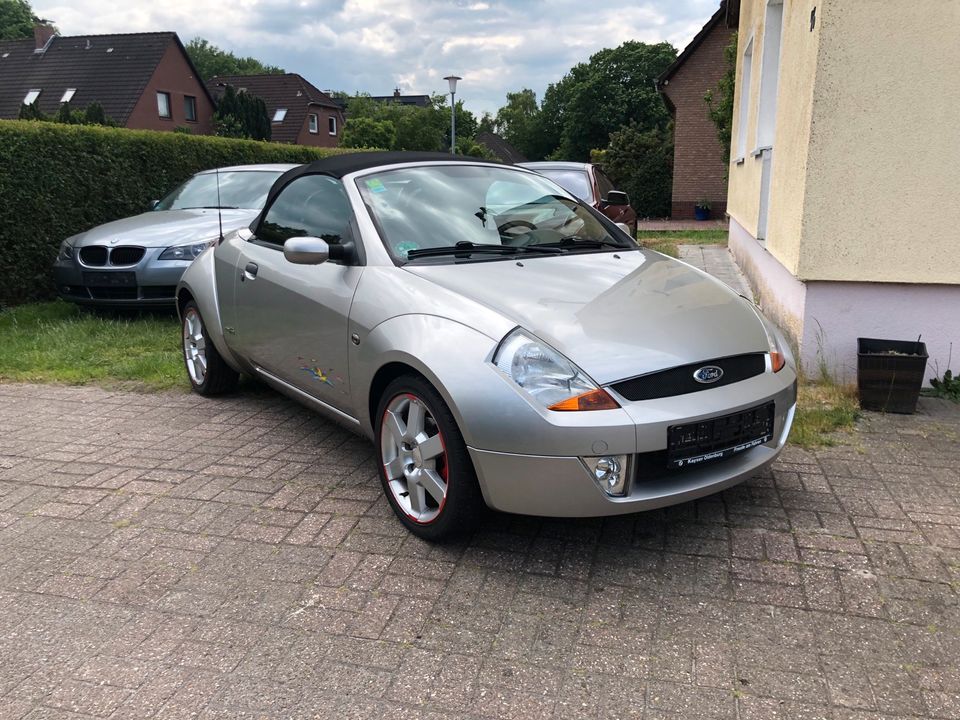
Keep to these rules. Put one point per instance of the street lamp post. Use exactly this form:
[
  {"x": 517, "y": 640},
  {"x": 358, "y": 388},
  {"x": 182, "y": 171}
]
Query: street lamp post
[{"x": 452, "y": 79}]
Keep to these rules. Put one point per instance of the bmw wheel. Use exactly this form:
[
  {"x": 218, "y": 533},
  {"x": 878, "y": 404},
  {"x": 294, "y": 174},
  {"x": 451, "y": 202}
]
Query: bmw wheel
[
  {"x": 425, "y": 469},
  {"x": 208, "y": 372}
]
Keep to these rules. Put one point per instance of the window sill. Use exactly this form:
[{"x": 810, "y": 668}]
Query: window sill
[
  {"x": 760, "y": 150},
  {"x": 739, "y": 161}
]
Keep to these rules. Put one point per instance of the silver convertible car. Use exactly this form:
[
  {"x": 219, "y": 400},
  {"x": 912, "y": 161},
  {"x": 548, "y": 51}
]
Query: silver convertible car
[
  {"x": 500, "y": 342},
  {"x": 138, "y": 261}
]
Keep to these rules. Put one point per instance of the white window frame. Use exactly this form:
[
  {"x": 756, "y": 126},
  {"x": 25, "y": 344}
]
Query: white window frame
[
  {"x": 743, "y": 111},
  {"x": 32, "y": 96},
  {"x": 168, "y": 100},
  {"x": 332, "y": 124},
  {"x": 68, "y": 95},
  {"x": 314, "y": 123},
  {"x": 773, "y": 22},
  {"x": 279, "y": 114}
]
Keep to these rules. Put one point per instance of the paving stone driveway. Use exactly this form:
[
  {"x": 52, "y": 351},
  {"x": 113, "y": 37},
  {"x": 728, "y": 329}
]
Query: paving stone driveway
[{"x": 167, "y": 556}]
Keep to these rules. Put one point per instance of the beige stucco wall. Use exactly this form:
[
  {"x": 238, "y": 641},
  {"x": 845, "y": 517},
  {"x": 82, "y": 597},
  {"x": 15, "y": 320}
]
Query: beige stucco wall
[
  {"x": 884, "y": 162},
  {"x": 866, "y": 160},
  {"x": 798, "y": 70}
]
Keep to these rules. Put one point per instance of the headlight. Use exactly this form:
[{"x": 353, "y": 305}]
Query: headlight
[
  {"x": 185, "y": 252},
  {"x": 66, "y": 251},
  {"x": 548, "y": 376}
]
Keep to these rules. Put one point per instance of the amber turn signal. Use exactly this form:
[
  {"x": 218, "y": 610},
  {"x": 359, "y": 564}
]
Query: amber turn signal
[
  {"x": 777, "y": 360},
  {"x": 594, "y": 400}
]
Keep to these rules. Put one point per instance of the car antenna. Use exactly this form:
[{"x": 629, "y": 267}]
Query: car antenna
[{"x": 219, "y": 207}]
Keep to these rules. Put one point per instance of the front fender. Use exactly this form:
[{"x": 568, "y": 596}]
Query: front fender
[
  {"x": 199, "y": 280},
  {"x": 491, "y": 412}
]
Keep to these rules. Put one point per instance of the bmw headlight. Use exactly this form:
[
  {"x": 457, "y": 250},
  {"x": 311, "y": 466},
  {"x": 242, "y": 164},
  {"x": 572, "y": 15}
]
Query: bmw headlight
[
  {"x": 66, "y": 251},
  {"x": 548, "y": 376},
  {"x": 185, "y": 252}
]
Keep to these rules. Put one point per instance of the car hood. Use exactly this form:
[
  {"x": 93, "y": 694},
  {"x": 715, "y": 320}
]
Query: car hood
[
  {"x": 162, "y": 228},
  {"x": 616, "y": 315}
]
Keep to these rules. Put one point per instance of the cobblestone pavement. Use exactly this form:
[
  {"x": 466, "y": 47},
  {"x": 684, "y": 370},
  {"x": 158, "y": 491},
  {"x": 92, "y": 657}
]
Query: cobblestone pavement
[{"x": 162, "y": 555}]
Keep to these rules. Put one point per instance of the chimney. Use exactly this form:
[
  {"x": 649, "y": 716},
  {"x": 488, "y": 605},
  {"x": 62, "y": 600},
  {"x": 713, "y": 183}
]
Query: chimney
[
  {"x": 42, "y": 33},
  {"x": 396, "y": 93}
]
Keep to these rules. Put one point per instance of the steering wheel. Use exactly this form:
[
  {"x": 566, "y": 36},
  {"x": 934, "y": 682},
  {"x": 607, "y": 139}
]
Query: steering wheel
[{"x": 513, "y": 225}]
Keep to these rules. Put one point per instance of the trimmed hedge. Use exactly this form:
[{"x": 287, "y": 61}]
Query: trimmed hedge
[{"x": 58, "y": 180}]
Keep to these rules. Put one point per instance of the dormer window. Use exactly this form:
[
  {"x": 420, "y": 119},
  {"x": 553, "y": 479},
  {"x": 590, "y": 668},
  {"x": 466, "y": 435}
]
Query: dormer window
[
  {"x": 68, "y": 95},
  {"x": 279, "y": 115},
  {"x": 31, "y": 97}
]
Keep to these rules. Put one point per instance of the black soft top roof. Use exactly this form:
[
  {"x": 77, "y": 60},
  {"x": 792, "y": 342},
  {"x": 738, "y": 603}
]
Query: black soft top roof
[{"x": 339, "y": 165}]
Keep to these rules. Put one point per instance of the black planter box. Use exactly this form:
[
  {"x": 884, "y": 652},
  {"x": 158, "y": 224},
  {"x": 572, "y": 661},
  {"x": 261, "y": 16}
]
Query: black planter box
[{"x": 890, "y": 374}]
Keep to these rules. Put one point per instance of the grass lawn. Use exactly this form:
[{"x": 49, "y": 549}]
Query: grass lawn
[
  {"x": 666, "y": 241},
  {"x": 823, "y": 409},
  {"x": 59, "y": 342}
]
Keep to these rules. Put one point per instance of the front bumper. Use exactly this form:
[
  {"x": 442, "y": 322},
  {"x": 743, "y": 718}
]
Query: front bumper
[
  {"x": 561, "y": 486},
  {"x": 154, "y": 282}
]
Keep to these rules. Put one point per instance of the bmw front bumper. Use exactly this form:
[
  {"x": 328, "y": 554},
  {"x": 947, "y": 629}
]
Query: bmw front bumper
[
  {"x": 561, "y": 486},
  {"x": 148, "y": 283}
]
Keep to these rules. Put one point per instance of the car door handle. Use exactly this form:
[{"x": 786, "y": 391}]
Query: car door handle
[{"x": 250, "y": 272}]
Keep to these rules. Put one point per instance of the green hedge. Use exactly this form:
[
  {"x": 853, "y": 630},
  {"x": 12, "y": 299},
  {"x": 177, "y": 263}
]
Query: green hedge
[{"x": 58, "y": 180}]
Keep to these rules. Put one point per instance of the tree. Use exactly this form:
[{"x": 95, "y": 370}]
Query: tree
[
  {"x": 640, "y": 162},
  {"x": 519, "y": 122},
  {"x": 720, "y": 100},
  {"x": 16, "y": 19},
  {"x": 487, "y": 123},
  {"x": 211, "y": 60},
  {"x": 241, "y": 115},
  {"x": 93, "y": 114},
  {"x": 365, "y": 132}
]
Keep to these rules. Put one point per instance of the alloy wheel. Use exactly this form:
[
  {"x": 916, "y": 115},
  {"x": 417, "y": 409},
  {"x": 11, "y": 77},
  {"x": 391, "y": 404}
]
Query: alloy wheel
[
  {"x": 414, "y": 458},
  {"x": 194, "y": 346}
]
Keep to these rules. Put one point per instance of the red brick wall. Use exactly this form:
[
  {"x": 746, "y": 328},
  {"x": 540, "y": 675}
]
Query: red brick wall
[
  {"x": 173, "y": 75},
  {"x": 323, "y": 138},
  {"x": 698, "y": 170}
]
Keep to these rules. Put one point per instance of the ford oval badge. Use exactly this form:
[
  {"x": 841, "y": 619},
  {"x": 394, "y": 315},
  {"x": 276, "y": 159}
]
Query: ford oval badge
[{"x": 708, "y": 374}]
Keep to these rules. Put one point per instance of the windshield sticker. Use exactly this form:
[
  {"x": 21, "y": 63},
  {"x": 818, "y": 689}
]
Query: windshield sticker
[
  {"x": 376, "y": 186},
  {"x": 402, "y": 248}
]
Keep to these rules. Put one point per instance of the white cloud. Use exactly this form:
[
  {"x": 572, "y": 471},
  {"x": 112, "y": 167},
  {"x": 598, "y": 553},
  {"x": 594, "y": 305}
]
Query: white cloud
[{"x": 375, "y": 45}]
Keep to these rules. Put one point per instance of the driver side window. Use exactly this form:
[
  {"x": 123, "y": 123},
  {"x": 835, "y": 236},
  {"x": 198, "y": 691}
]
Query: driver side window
[{"x": 312, "y": 205}]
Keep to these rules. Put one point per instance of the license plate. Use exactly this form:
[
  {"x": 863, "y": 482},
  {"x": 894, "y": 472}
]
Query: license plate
[
  {"x": 109, "y": 279},
  {"x": 717, "y": 438}
]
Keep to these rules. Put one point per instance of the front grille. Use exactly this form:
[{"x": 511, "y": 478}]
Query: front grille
[
  {"x": 93, "y": 255},
  {"x": 113, "y": 293},
  {"x": 126, "y": 255},
  {"x": 157, "y": 292},
  {"x": 679, "y": 380}
]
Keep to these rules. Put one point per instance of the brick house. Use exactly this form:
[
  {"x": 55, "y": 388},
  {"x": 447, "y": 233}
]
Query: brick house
[
  {"x": 698, "y": 169},
  {"x": 144, "y": 81},
  {"x": 300, "y": 114}
]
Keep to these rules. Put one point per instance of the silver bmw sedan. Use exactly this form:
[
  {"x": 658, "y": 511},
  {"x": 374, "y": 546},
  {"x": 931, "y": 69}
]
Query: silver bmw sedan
[
  {"x": 502, "y": 344},
  {"x": 138, "y": 261}
]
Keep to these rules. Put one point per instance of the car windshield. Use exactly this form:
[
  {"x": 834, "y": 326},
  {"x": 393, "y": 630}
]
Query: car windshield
[
  {"x": 466, "y": 213},
  {"x": 238, "y": 189},
  {"x": 574, "y": 181}
]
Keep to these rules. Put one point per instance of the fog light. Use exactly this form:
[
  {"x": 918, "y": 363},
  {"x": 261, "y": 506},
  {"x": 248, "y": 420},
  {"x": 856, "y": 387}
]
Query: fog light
[{"x": 610, "y": 472}]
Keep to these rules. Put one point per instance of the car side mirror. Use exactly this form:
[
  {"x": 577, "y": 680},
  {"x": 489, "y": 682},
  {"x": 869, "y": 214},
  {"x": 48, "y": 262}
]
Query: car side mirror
[
  {"x": 153, "y": 204},
  {"x": 625, "y": 228},
  {"x": 306, "y": 250},
  {"x": 615, "y": 197}
]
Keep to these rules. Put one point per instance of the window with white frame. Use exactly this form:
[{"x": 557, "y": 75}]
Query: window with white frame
[
  {"x": 769, "y": 73},
  {"x": 314, "y": 124},
  {"x": 743, "y": 111},
  {"x": 68, "y": 95},
  {"x": 31, "y": 97},
  {"x": 163, "y": 105},
  {"x": 332, "y": 124},
  {"x": 279, "y": 115}
]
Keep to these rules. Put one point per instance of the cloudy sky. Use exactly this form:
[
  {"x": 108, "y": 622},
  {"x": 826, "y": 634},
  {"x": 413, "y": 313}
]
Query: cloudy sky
[{"x": 375, "y": 45}]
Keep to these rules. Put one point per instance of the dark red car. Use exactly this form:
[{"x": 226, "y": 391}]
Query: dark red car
[{"x": 589, "y": 183}]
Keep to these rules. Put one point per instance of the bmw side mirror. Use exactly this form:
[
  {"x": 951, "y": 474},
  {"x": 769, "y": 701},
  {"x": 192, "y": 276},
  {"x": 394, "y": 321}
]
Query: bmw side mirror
[
  {"x": 615, "y": 197},
  {"x": 153, "y": 204},
  {"x": 306, "y": 250}
]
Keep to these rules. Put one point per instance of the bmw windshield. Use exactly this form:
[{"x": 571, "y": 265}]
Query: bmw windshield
[
  {"x": 238, "y": 189},
  {"x": 469, "y": 213}
]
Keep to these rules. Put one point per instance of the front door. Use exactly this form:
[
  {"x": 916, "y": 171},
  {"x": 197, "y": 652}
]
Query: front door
[{"x": 292, "y": 320}]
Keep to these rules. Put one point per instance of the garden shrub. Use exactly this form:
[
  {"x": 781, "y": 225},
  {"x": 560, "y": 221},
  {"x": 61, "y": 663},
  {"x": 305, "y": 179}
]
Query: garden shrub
[{"x": 58, "y": 180}]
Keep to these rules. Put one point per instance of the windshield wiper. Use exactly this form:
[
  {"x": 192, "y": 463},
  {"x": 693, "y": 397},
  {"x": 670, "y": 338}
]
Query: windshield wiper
[
  {"x": 211, "y": 207},
  {"x": 582, "y": 241},
  {"x": 465, "y": 248}
]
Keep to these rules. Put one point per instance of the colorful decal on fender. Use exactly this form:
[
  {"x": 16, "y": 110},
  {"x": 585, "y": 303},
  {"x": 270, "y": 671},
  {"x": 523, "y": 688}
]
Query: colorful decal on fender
[{"x": 319, "y": 374}]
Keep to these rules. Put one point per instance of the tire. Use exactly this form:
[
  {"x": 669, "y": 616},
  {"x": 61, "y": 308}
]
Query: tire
[
  {"x": 207, "y": 371},
  {"x": 436, "y": 456}
]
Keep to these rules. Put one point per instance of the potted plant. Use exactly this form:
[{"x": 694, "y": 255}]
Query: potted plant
[
  {"x": 701, "y": 211},
  {"x": 890, "y": 374}
]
